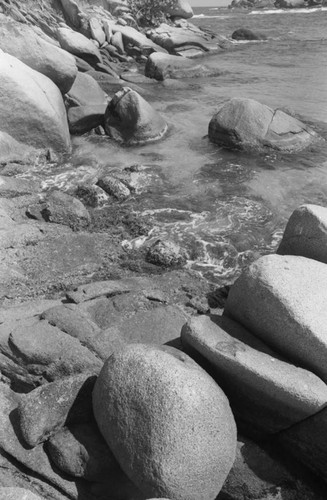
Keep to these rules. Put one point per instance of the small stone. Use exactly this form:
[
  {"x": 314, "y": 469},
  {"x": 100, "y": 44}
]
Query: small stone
[{"x": 166, "y": 253}]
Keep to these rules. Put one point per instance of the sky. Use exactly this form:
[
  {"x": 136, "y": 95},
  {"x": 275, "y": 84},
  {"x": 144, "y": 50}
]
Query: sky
[{"x": 208, "y": 3}]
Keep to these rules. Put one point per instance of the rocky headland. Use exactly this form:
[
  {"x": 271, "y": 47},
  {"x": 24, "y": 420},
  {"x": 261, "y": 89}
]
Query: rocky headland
[{"x": 124, "y": 375}]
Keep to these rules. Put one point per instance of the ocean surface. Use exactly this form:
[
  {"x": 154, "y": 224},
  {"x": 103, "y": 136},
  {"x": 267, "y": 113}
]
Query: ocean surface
[{"x": 225, "y": 208}]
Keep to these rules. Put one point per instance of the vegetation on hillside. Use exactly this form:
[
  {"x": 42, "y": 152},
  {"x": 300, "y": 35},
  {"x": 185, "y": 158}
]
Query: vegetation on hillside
[{"x": 150, "y": 12}]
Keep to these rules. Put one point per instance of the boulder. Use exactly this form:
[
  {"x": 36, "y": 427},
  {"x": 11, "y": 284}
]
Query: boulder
[
  {"x": 180, "y": 8},
  {"x": 40, "y": 118},
  {"x": 71, "y": 12},
  {"x": 248, "y": 124},
  {"x": 136, "y": 38},
  {"x": 45, "y": 410},
  {"x": 281, "y": 299},
  {"x": 11, "y": 493},
  {"x": 172, "y": 432},
  {"x": 265, "y": 393},
  {"x": 161, "y": 66},
  {"x": 19, "y": 40},
  {"x": 86, "y": 92},
  {"x": 96, "y": 29},
  {"x": 82, "y": 119},
  {"x": 306, "y": 233},
  {"x": 80, "y": 451},
  {"x": 79, "y": 45},
  {"x": 290, "y": 4},
  {"x": 166, "y": 253},
  {"x": 117, "y": 42},
  {"x": 114, "y": 187},
  {"x": 12, "y": 150},
  {"x": 61, "y": 208},
  {"x": 132, "y": 120},
  {"x": 11, "y": 187},
  {"x": 246, "y": 34}
]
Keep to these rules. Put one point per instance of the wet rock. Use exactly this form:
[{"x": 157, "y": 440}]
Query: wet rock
[
  {"x": 258, "y": 473},
  {"x": 19, "y": 40},
  {"x": 246, "y": 34},
  {"x": 135, "y": 77},
  {"x": 306, "y": 233},
  {"x": 79, "y": 45},
  {"x": 61, "y": 208},
  {"x": 35, "y": 460},
  {"x": 86, "y": 92},
  {"x": 174, "y": 436},
  {"x": 12, "y": 150},
  {"x": 265, "y": 393},
  {"x": 281, "y": 300},
  {"x": 162, "y": 66},
  {"x": 91, "y": 196},
  {"x": 132, "y": 120},
  {"x": 166, "y": 254},
  {"x": 17, "y": 494},
  {"x": 97, "y": 30},
  {"x": 45, "y": 410},
  {"x": 82, "y": 119},
  {"x": 81, "y": 451},
  {"x": 40, "y": 116},
  {"x": 247, "y": 124},
  {"x": 114, "y": 187}
]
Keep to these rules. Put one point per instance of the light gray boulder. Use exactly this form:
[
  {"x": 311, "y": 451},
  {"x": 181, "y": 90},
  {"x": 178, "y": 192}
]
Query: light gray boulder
[
  {"x": 265, "y": 393},
  {"x": 281, "y": 299},
  {"x": 10, "y": 493},
  {"x": 12, "y": 150},
  {"x": 130, "y": 119},
  {"x": 161, "y": 66},
  {"x": 180, "y": 8},
  {"x": 39, "y": 118},
  {"x": 167, "y": 422},
  {"x": 134, "y": 37},
  {"x": 97, "y": 31},
  {"x": 86, "y": 92},
  {"x": 79, "y": 45},
  {"x": 306, "y": 233},
  {"x": 20, "y": 40},
  {"x": 247, "y": 124}
]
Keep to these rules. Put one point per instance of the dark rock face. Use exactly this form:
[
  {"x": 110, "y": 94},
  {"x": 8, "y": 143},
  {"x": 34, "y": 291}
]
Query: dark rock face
[
  {"x": 247, "y": 124},
  {"x": 132, "y": 120},
  {"x": 246, "y": 34}
]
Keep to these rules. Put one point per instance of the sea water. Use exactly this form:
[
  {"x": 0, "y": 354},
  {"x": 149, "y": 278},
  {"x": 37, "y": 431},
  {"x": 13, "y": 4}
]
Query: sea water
[{"x": 225, "y": 208}]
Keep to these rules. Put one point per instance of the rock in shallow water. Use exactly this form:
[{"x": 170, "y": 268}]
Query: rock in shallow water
[
  {"x": 167, "y": 422},
  {"x": 248, "y": 124},
  {"x": 132, "y": 120}
]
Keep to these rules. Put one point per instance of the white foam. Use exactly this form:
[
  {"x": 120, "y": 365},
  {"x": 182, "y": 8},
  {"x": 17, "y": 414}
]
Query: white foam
[
  {"x": 289, "y": 11},
  {"x": 203, "y": 16}
]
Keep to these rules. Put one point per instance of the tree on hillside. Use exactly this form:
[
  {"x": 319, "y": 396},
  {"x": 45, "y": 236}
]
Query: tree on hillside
[{"x": 150, "y": 12}]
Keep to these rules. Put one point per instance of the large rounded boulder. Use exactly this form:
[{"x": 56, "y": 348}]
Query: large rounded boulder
[
  {"x": 31, "y": 107},
  {"x": 248, "y": 124},
  {"x": 22, "y": 42},
  {"x": 167, "y": 422},
  {"x": 130, "y": 119}
]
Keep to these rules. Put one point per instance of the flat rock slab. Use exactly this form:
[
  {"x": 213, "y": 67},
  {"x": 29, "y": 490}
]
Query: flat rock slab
[
  {"x": 36, "y": 459},
  {"x": 264, "y": 392},
  {"x": 282, "y": 300},
  {"x": 107, "y": 289},
  {"x": 162, "y": 66},
  {"x": 45, "y": 410},
  {"x": 306, "y": 233},
  {"x": 86, "y": 91},
  {"x": 79, "y": 45}
]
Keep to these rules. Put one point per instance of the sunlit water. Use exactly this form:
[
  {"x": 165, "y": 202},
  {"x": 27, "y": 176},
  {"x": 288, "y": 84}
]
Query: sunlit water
[{"x": 225, "y": 208}]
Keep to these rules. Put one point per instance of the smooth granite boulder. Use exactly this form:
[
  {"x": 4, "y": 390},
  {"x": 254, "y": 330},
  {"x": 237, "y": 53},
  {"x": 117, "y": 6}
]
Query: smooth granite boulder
[
  {"x": 71, "y": 12},
  {"x": 82, "y": 119},
  {"x": 22, "y": 42},
  {"x": 306, "y": 233},
  {"x": 45, "y": 410},
  {"x": 180, "y": 8},
  {"x": 281, "y": 299},
  {"x": 266, "y": 394},
  {"x": 247, "y": 124},
  {"x": 132, "y": 120},
  {"x": 97, "y": 31},
  {"x": 79, "y": 45},
  {"x": 40, "y": 118},
  {"x": 136, "y": 38},
  {"x": 161, "y": 66},
  {"x": 167, "y": 422},
  {"x": 86, "y": 92}
]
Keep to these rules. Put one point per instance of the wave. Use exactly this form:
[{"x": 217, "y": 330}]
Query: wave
[
  {"x": 288, "y": 11},
  {"x": 204, "y": 16}
]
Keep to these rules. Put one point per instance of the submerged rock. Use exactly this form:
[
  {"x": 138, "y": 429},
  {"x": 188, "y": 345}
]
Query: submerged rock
[
  {"x": 132, "y": 120},
  {"x": 172, "y": 432},
  {"x": 246, "y": 34},
  {"x": 39, "y": 118},
  {"x": 247, "y": 124}
]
